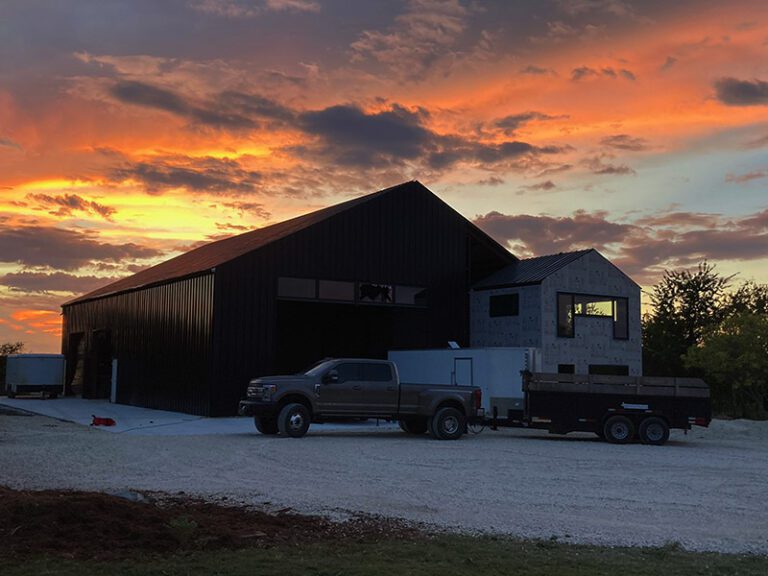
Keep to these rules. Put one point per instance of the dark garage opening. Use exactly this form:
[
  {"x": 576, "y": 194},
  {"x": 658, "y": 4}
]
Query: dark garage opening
[{"x": 310, "y": 331}]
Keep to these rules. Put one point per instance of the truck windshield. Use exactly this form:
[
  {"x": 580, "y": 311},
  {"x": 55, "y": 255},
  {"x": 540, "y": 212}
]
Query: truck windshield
[{"x": 317, "y": 368}]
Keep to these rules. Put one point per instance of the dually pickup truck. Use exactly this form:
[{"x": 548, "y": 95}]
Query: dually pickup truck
[{"x": 352, "y": 388}]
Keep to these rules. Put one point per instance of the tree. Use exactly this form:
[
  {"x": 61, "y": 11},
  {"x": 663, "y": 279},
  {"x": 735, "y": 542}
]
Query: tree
[
  {"x": 734, "y": 358},
  {"x": 6, "y": 349},
  {"x": 686, "y": 305},
  {"x": 749, "y": 297}
]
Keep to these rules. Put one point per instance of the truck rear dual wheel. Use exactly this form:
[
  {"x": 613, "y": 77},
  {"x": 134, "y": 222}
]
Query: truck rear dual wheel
[
  {"x": 448, "y": 424},
  {"x": 619, "y": 430},
  {"x": 265, "y": 425},
  {"x": 293, "y": 420},
  {"x": 654, "y": 431}
]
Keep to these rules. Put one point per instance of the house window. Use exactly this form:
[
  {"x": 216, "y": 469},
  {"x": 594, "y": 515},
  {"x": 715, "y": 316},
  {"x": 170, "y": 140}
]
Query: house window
[
  {"x": 504, "y": 305},
  {"x": 566, "y": 369},
  {"x": 570, "y": 306},
  {"x": 565, "y": 315}
]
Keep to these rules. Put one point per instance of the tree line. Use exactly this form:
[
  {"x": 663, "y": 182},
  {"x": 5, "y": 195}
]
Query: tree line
[{"x": 703, "y": 325}]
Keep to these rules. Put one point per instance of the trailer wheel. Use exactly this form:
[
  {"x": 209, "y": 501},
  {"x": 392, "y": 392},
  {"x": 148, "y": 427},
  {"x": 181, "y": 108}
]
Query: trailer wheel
[
  {"x": 619, "y": 430},
  {"x": 293, "y": 420},
  {"x": 653, "y": 430},
  {"x": 448, "y": 424},
  {"x": 265, "y": 425},
  {"x": 415, "y": 426}
]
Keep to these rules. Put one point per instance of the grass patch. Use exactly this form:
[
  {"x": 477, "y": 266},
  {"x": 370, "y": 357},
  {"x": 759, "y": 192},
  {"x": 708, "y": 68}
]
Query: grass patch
[{"x": 440, "y": 555}]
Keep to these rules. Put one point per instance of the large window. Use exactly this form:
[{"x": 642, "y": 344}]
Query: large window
[
  {"x": 504, "y": 305},
  {"x": 351, "y": 292},
  {"x": 571, "y": 306}
]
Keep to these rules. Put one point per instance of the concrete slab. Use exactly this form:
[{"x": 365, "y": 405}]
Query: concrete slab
[{"x": 134, "y": 420}]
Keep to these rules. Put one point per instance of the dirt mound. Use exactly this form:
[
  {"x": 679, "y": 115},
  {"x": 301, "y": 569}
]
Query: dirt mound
[{"x": 94, "y": 525}]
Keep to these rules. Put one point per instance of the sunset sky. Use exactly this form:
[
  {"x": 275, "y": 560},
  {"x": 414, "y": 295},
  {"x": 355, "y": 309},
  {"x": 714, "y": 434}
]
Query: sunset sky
[{"x": 133, "y": 130}]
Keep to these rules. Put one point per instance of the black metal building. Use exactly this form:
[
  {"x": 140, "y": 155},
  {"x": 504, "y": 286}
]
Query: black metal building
[{"x": 385, "y": 271}]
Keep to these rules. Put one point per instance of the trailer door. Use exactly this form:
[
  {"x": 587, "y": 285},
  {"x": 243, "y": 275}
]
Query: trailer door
[{"x": 462, "y": 372}]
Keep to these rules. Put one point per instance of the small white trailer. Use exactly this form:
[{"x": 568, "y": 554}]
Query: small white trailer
[
  {"x": 497, "y": 371},
  {"x": 30, "y": 373}
]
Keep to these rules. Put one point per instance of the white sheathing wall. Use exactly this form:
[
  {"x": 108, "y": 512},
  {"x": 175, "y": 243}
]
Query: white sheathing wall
[
  {"x": 593, "y": 342},
  {"x": 523, "y": 330}
]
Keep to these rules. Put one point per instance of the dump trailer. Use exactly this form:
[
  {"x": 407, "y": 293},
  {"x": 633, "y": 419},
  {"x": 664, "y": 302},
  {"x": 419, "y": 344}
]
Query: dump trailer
[
  {"x": 619, "y": 409},
  {"x": 616, "y": 408}
]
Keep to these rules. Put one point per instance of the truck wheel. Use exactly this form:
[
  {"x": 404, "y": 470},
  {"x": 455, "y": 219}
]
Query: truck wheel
[
  {"x": 414, "y": 426},
  {"x": 448, "y": 424},
  {"x": 265, "y": 425},
  {"x": 653, "y": 430},
  {"x": 619, "y": 430},
  {"x": 293, "y": 420}
]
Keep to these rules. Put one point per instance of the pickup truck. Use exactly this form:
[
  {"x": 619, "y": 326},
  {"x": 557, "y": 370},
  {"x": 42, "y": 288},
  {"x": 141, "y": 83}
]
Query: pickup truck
[{"x": 356, "y": 387}]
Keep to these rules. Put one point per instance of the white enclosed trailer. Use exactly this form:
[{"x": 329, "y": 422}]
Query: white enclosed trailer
[
  {"x": 29, "y": 373},
  {"x": 497, "y": 371}
]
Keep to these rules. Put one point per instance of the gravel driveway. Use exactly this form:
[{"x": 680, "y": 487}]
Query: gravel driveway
[{"x": 707, "y": 490}]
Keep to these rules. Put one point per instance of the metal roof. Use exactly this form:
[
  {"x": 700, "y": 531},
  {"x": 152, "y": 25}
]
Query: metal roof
[
  {"x": 210, "y": 255},
  {"x": 530, "y": 270}
]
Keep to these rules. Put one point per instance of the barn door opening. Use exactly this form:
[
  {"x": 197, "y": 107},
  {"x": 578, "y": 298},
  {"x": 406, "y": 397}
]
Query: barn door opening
[{"x": 98, "y": 381}]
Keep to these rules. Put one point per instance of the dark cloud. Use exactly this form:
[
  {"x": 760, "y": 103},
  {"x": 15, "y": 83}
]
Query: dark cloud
[
  {"x": 491, "y": 181},
  {"x": 668, "y": 63},
  {"x": 642, "y": 248},
  {"x": 512, "y": 122},
  {"x": 535, "y": 70},
  {"x": 736, "y": 92},
  {"x": 213, "y": 175},
  {"x": 248, "y": 208},
  {"x": 359, "y": 138},
  {"x": 625, "y": 142},
  {"x": 586, "y": 72},
  {"x": 228, "y": 110},
  {"x": 42, "y": 283},
  {"x": 8, "y": 143},
  {"x": 39, "y": 246},
  {"x": 614, "y": 7},
  {"x": 743, "y": 178},
  {"x": 352, "y": 137},
  {"x": 597, "y": 166},
  {"x": 546, "y": 185},
  {"x": 548, "y": 234},
  {"x": 230, "y": 226},
  {"x": 66, "y": 204}
]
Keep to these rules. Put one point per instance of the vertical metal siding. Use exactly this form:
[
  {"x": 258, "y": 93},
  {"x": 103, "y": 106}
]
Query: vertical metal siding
[
  {"x": 406, "y": 237},
  {"x": 161, "y": 337}
]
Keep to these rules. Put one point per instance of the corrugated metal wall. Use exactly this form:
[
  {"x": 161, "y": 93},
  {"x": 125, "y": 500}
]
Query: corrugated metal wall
[
  {"x": 405, "y": 237},
  {"x": 161, "y": 337}
]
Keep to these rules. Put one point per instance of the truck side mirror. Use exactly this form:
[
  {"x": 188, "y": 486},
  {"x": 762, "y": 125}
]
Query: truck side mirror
[{"x": 331, "y": 377}]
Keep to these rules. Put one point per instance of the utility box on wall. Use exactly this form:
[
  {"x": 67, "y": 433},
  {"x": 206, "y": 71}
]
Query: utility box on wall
[{"x": 31, "y": 373}]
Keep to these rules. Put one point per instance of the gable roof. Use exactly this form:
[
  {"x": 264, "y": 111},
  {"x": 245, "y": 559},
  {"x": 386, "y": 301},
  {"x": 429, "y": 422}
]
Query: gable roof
[
  {"x": 530, "y": 270},
  {"x": 213, "y": 254}
]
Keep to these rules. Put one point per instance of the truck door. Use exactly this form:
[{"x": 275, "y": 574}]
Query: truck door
[
  {"x": 379, "y": 394},
  {"x": 344, "y": 395}
]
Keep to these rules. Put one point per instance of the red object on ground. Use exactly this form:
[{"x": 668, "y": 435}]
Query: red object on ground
[{"x": 97, "y": 421}]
